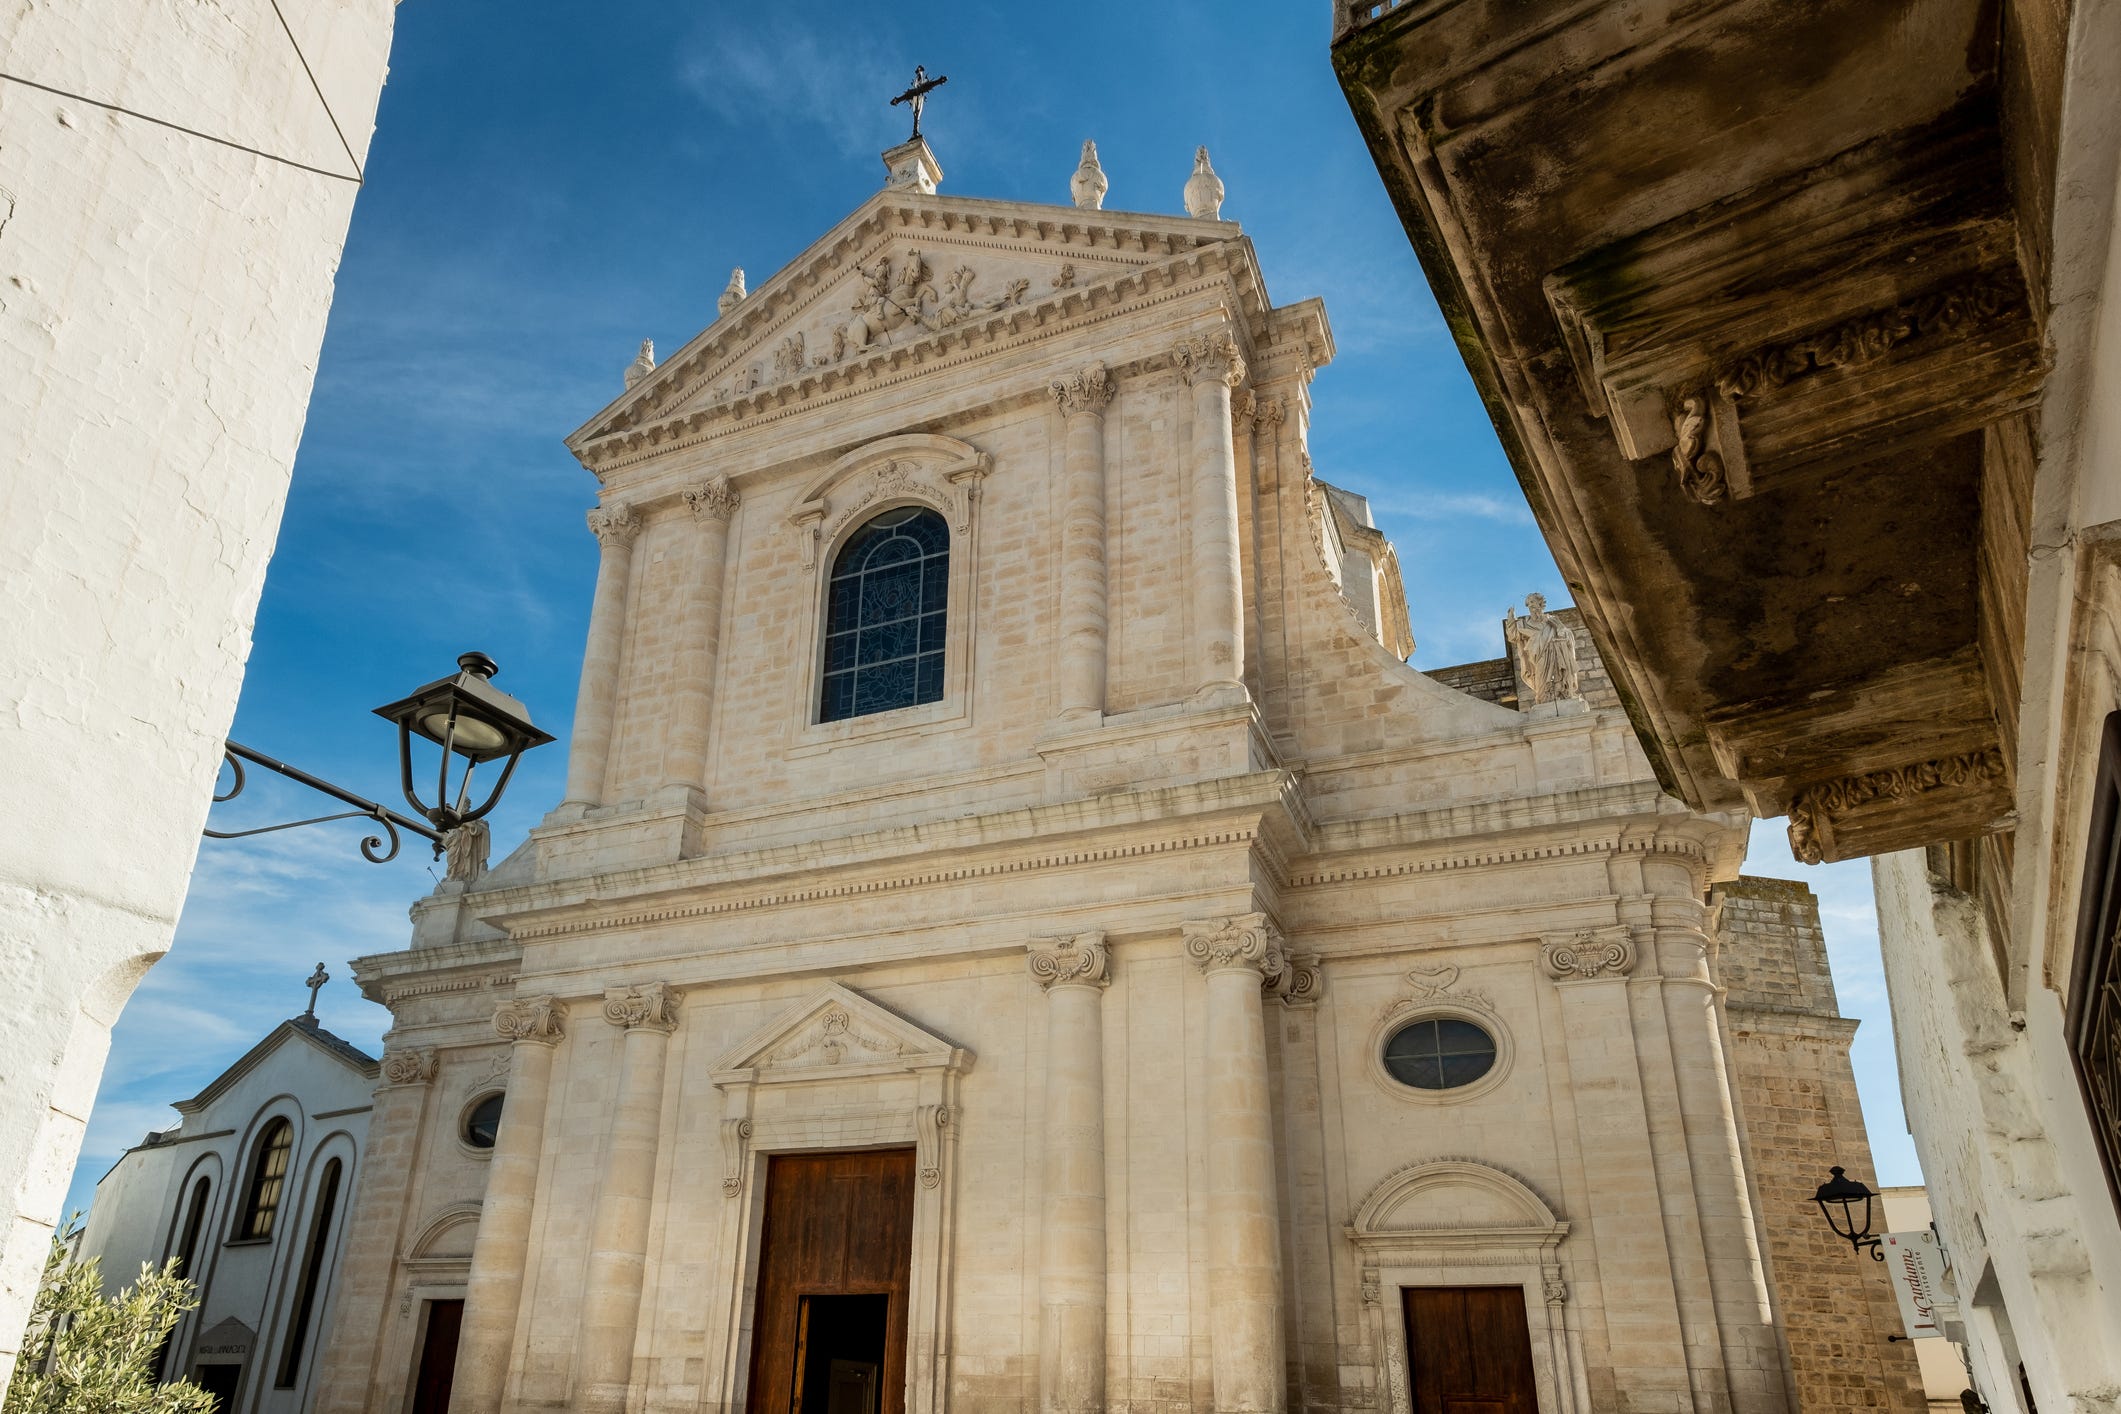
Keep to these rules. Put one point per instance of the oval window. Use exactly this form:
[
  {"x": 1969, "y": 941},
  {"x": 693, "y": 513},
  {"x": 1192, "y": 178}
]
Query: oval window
[
  {"x": 483, "y": 1123},
  {"x": 1440, "y": 1053}
]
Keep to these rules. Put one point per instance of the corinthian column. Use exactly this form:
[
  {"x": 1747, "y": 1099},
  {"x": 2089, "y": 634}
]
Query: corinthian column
[
  {"x": 618, "y": 1232},
  {"x": 1082, "y": 397},
  {"x": 493, "y": 1290},
  {"x": 1071, "y": 1274},
  {"x": 1211, "y": 364},
  {"x": 615, "y": 528},
  {"x": 713, "y": 502},
  {"x": 1246, "y": 1341}
]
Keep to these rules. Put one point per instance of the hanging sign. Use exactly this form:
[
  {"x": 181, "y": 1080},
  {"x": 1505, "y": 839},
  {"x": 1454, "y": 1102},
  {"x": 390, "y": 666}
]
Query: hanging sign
[{"x": 1914, "y": 1263}]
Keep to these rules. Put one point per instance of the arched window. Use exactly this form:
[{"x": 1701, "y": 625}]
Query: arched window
[
  {"x": 312, "y": 1274},
  {"x": 268, "y": 1178},
  {"x": 884, "y": 615}
]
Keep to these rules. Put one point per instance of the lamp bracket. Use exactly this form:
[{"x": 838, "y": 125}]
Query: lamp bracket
[{"x": 372, "y": 847}]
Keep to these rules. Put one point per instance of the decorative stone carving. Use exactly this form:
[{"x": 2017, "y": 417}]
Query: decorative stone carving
[
  {"x": 1431, "y": 986},
  {"x": 1267, "y": 414},
  {"x": 643, "y": 363},
  {"x": 496, "y": 1069},
  {"x": 732, "y": 295},
  {"x": 466, "y": 848},
  {"x": 736, "y": 1144},
  {"x": 1587, "y": 955},
  {"x": 1247, "y": 940},
  {"x": 1064, "y": 278},
  {"x": 1204, "y": 190},
  {"x": 1301, "y": 980},
  {"x": 929, "y": 1124},
  {"x": 1211, "y": 357},
  {"x": 654, "y": 1006},
  {"x": 1089, "y": 184},
  {"x": 1372, "y": 1286},
  {"x": 614, "y": 525},
  {"x": 1943, "y": 313},
  {"x": 1811, "y": 809},
  {"x": 413, "y": 1065},
  {"x": 830, "y": 1040},
  {"x": 1557, "y": 1289},
  {"x": 1546, "y": 652},
  {"x": 1078, "y": 961},
  {"x": 1086, "y": 391},
  {"x": 539, "y": 1019},
  {"x": 1702, "y": 473},
  {"x": 788, "y": 359},
  {"x": 712, "y": 499}
]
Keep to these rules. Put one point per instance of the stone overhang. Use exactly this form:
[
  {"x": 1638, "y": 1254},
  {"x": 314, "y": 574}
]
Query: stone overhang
[{"x": 1752, "y": 292}]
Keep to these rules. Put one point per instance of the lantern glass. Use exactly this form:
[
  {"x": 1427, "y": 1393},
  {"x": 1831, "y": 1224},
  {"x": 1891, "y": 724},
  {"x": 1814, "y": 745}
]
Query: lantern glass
[
  {"x": 468, "y": 714},
  {"x": 1837, "y": 1199}
]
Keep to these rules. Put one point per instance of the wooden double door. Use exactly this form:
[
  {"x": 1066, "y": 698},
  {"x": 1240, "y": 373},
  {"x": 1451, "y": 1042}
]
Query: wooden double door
[
  {"x": 829, "y": 1331},
  {"x": 1469, "y": 1350}
]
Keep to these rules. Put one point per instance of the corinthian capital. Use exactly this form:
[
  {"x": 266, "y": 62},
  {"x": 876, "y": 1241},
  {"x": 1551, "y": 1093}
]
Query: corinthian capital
[
  {"x": 539, "y": 1019},
  {"x": 1247, "y": 940},
  {"x": 1087, "y": 390},
  {"x": 614, "y": 525},
  {"x": 712, "y": 499},
  {"x": 1079, "y": 961},
  {"x": 1210, "y": 358},
  {"x": 654, "y": 1006}
]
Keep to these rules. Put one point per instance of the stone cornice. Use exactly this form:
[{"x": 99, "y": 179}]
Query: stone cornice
[{"x": 1063, "y": 314}]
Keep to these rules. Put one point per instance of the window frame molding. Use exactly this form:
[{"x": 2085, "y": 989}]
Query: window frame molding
[
  {"x": 251, "y": 1155},
  {"x": 928, "y": 470},
  {"x": 1438, "y": 1007}
]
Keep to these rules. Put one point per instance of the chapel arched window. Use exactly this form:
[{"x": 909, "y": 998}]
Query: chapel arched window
[
  {"x": 885, "y": 615},
  {"x": 268, "y": 1179}
]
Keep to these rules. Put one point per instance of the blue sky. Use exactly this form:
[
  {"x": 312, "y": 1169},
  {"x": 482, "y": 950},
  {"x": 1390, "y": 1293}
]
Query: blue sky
[{"x": 551, "y": 183}]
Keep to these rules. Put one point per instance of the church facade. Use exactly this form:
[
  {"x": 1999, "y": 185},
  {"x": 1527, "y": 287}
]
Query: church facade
[{"x": 1019, "y": 936}]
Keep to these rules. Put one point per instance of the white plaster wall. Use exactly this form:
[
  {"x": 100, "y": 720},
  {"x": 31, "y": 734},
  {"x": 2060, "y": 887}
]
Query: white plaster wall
[{"x": 162, "y": 300}]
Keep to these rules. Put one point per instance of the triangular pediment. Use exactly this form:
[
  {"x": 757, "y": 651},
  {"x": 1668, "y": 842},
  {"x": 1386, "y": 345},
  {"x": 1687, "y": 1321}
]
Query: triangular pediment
[
  {"x": 301, "y": 1028},
  {"x": 904, "y": 270},
  {"x": 836, "y": 1031}
]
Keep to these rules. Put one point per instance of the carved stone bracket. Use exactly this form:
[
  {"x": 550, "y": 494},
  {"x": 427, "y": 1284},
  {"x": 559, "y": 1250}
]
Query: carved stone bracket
[
  {"x": 1301, "y": 980},
  {"x": 1813, "y": 809},
  {"x": 538, "y": 1019},
  {"x": 1211, "y": 358},
  {"x": 1434, "y": 986},
  {"x": 614, "y": 525},
  {"x": 1077, "y": 961},
  {"x": 1372, "y": 1289},
  {"x": 1247, "y": 940},
  {"x": 713, "y": 499},
  {"x": 1704, "y": 471},
  {"x": 654, "y": 1006},
  {"x": 736, "y": 1147},
  {"x": 1086, "y": 391},
  {"x": 1587, "y": 955},
  {"x": 412, "y": 1065},
  {"x": 930, "y": 1124}
]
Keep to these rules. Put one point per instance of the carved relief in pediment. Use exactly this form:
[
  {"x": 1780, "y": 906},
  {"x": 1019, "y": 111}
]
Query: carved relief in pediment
[{"x": 838, "y": 1029}]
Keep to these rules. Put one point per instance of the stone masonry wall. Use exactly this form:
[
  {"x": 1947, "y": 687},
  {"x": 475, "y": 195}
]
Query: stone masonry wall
[{"x": 1797, "y": 1097}]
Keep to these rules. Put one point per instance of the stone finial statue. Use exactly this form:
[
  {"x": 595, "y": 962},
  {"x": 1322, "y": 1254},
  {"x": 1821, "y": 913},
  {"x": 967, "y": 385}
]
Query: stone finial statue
[
  {"x": 643, "y": 363},
  {"x": 1088, "y": 185},
  {"x": 734, "y": 294},
  {"x": 466, "y": 848},
  {"x": 1204, "y": 190},
  {"x": 1546, "y": 652}
]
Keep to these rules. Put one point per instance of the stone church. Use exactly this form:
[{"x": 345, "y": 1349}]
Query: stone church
[{"x": 1019, "y": 936}]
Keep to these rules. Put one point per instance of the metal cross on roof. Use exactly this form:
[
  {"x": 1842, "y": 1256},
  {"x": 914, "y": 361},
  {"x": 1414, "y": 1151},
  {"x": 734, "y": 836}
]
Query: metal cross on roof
[
  {"x": 918, "y": 95},
  {"x": 316, "y": 979}
]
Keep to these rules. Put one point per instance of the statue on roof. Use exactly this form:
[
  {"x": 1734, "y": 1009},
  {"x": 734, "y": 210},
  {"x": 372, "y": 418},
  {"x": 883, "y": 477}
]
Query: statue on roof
[{"x": 1546, "y": 652}]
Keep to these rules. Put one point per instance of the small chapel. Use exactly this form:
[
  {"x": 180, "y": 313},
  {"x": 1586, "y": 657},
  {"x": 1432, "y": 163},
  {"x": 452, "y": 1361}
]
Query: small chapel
[{"x": 1020, "y": 937}]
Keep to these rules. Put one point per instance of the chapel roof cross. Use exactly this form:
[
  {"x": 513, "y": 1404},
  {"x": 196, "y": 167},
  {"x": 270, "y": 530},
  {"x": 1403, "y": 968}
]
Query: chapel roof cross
[
  {"x": 316, "y": 979},
  {"x": 917, "y": 95}
]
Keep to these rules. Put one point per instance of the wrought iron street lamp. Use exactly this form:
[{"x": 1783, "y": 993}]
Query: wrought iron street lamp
[
  {"x": 470, "y": 719},
  {"x": 1837, "y": 1199}
]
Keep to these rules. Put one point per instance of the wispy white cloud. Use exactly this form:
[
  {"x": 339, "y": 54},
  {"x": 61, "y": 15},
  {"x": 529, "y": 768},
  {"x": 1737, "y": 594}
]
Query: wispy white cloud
[{"x": 786, "y": 70}]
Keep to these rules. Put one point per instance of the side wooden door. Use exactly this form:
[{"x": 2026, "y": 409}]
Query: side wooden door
[
  {"x": 1469, "y": 1350},
  {"x": 836, "y": 1225}
]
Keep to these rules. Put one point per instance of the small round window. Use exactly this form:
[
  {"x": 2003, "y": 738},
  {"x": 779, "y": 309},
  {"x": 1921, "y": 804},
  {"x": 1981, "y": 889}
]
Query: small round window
[
  {"x": 483, "y": 1123},
  {"x": 1440, "y": 1053}
]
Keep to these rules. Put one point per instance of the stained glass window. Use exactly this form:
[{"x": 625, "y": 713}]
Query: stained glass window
[
  {"x": 1441, "y": 1053},
  {"x": 884, "y": 615}
]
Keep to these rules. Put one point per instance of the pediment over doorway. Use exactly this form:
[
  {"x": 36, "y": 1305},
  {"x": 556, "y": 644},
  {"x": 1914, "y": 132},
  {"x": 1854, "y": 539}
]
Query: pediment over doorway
[
  {"x": 833, "y": 1033},
  {"x": 1454, "y": 1201}
]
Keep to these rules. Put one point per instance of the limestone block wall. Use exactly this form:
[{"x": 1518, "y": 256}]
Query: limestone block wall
[
  {"x": 1797, "y": 1096},
  {"x": 165, "y": 297}
]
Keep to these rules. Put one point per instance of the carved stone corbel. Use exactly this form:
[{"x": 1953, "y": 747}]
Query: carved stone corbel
[
  {"x": 736, "y": 1148},
  {"x": 930, "y": 1122},
  {"x": 1301, "y": 980},
  {"x": 654, "y": 1006}
]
